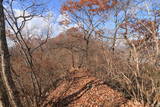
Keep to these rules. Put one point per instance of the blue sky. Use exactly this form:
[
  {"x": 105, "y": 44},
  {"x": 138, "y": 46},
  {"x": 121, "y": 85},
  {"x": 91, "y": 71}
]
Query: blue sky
[
  {"x": 38, "y": 24},
  {"x": 55, "y": 5}
]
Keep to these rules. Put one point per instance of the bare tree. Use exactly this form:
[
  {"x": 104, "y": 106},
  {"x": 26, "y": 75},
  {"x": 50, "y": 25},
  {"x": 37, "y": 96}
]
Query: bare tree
[
  {"x": 16, "y": 24},
  {"x": 89, "y": 18}
]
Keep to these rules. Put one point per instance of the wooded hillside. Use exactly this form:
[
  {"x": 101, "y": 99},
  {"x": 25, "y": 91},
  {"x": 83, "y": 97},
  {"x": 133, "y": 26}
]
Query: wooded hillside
[{"x": 105, "y": 53}]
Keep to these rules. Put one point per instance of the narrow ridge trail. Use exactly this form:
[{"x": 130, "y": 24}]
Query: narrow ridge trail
[{"x": 81, "y": 89}]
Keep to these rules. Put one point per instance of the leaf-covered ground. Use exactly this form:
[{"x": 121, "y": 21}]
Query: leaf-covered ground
[{"x": 81, "y": 89}]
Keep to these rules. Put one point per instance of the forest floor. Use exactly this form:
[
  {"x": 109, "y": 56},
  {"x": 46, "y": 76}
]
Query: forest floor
[{"x": 81, "y": 89}]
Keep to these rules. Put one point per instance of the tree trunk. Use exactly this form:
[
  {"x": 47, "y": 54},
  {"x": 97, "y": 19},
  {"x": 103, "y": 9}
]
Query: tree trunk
[
  {"x": 5, "y": 60},
  {"x": 4, "y": 101},
  {"x": 1, "y": 94}
]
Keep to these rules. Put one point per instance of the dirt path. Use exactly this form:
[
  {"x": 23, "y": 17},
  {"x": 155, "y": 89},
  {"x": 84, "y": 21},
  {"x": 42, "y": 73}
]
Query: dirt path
[{"x": 83, "y": 90}]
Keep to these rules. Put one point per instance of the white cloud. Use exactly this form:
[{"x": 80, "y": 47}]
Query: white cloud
[
  {"x": 58, "y": 28},
  {"x": 63, "y": 17},
  {"x": 39, "y": 26}
]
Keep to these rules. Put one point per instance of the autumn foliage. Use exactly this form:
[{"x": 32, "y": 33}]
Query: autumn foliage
[
  {"x": 104, "y": 42},
  {"x": 91, "y": 5}
]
